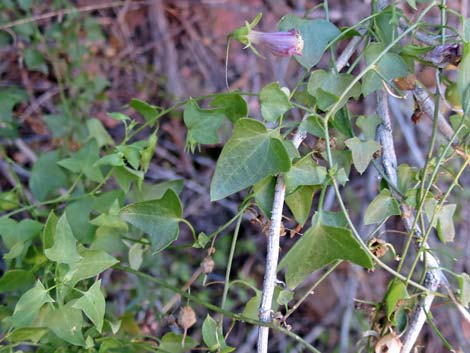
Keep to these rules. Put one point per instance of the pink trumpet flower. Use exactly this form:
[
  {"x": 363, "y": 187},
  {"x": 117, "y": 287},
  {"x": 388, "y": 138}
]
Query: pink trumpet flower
[{"x": 278, "y": 43}]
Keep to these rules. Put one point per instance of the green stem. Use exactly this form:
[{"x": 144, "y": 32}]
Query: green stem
[
  {"x": 230, "y": 260},
  {"x": 190, "y": 226},
  {"x": 422, "y": 197},
  {"x": 433, "y": 218}
]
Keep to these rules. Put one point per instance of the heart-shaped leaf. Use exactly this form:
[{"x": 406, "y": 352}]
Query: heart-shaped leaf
[
  {"x": 249, "y": 156},
  {"x": 332, "y": 84},
  {"x": 157, "y": 218},
  {"x": 202, "y": 124},
  {"x": 319, "y": 246},
  {"x": 274, "y": 102},
  {"x": 362, "y": 152},
  {"x": 382, "y": 207}
]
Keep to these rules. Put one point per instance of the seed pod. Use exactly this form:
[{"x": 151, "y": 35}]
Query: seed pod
[
  {"x": 207, "y": 265},
  {"x": 186, "y": 317}
]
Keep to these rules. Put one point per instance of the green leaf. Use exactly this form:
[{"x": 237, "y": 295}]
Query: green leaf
[
  {"x": 248, "y": 157},
  {"x": 148, "y": 111},
  {"x": 110, "y": 221},
  {"x": 300, "y": 202},
  {"x": 342, "y": 122},
  {"x": 383, "y": 206},
  {"x": 97, "y": 131},
  {"x": 316, "y": 35},
  {"x": 46, "y": 176},
  {"x": 34, "y": 60},
  {"x": 386, "y": 23},
  {"x": 125, "y": 176},
  {"x": 132, "y": 153},
  {"x": 119, "y": 116},
  {"x": 201, "y": 241},
  {"x": 9, "y": 98},
  {"x": 263, "y": 193},
  {"x": 284, "y": 297},
  {"x": 390, "y": 66},
  {"x": 92, "y": 303},
  {"x": 31, "y": 334},
  {"x": 157, "y": 218},
  {"x": 213, "y": 336},
  {"x": 463, "y": 79},
  {"x": 16, "y": 280},
  {"x": 362, "y": 152},
  {"x": 395, "y": 295},
  {"x": 319, "y": 246},
  {"x": 274, "y": 102},
  {"x": 334, "y": 85},
  {"x": 91, "y": 263},
  {"x": 28, "y": 305},
  {"x": 156, "y": 191},
  {"x": 49, "y": 230},
  {"x": 59, "y": 124},
  {"x": 173, "y": 343},
  {"x": 314, "y": 125},
  {"x": 406, "y": 177},
  {"x": 83, "y": 161},
  {"x": 234, "y": 105},
  {"x": 78, "y": 216},
  {"x": 148, "y": 152},
  {"x": 202, "y": 124},
  {"x": 443, "y": 221},
  {"x": 304, "y": 172},
  {"x": 412, "y": 4},
  {"x": 368, "y": 125},
  {"x": 66, "y": 322},
  {"x": 136, "y": 252},
  {"x": 251, "y": 309},
  {"x": 64, "y": 249},
  {"x": 13, "y": 232},
  {"x": 464, "y": 288}
]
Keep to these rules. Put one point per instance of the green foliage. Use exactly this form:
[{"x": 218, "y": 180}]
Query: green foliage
[
  {"x": 322, "y": 244},
  {"x": 233, "y": 104},
  {"x": 174, "y": 343},
  {"x": 202, "y": 124},
  {"x": 274, "y": 102},
  {"x": 92, "y": 201},
  {"x": 390, "y": 66},
  {"x": 213, "y": 336},
  {"x": 382, "y": 207},
  {"x": 9, "y": 98},
  {"x": 252, "y": 153},
  {"x": 362, "y": 152},
  {"x": 47, "y": 176},
  {"x": 27, "y": 307},
  {"x": 327, "y": 88},
  {"x": 92, "y": 303},
  {"x": 157, "y": 218}
]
